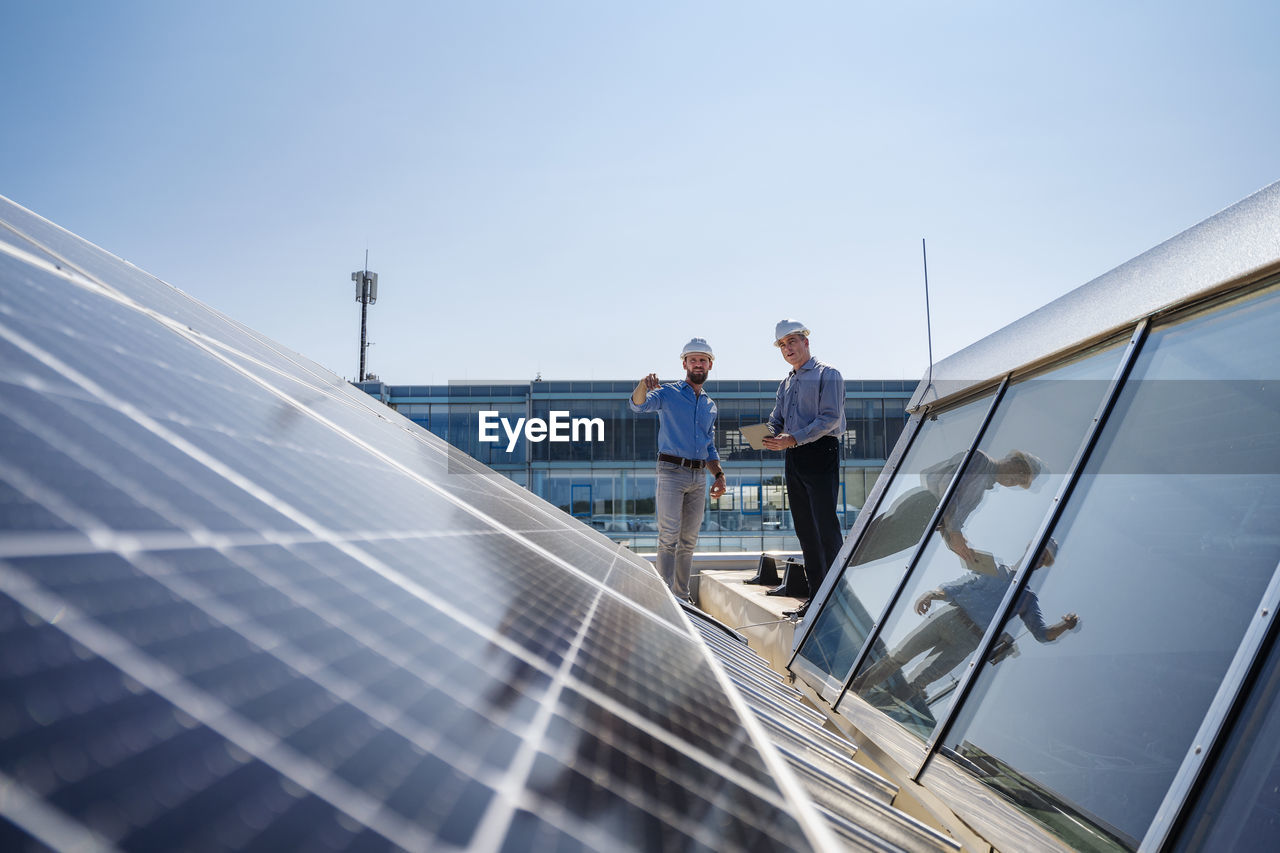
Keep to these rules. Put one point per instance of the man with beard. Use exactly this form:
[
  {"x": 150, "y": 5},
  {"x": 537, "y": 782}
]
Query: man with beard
[
  {"x": 807, "y": 422},
  {"x": 686, "y": 451}
]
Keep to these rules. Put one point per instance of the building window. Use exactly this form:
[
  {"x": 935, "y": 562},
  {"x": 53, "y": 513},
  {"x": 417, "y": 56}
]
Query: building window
[{"x": 580, "y": 500}]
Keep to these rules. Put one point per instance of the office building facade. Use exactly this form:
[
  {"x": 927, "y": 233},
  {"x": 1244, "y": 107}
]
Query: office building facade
[{"x": 605, "y": 474}]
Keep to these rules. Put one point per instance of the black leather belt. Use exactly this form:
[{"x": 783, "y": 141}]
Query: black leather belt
[{"x": 681, "y": 461}]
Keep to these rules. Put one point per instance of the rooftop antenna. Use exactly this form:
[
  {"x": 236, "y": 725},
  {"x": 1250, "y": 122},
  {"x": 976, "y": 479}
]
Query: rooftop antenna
[
  {"x": 366, "y": 295},
  {"x": 928, "y": 322}
]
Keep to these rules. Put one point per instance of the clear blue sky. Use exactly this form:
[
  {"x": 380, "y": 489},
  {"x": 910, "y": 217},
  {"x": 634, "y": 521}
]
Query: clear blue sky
[{"x": 576, "y": 188}]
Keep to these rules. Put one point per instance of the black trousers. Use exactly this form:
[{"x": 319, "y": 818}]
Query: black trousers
[{"x": 813, "y": 486}]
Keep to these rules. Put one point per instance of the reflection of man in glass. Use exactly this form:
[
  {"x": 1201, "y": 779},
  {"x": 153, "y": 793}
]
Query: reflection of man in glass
[
  {"x": 953, "y": 631},
  {"x": 1017, "y": 469},
  {"x": 903, "y": 523}
]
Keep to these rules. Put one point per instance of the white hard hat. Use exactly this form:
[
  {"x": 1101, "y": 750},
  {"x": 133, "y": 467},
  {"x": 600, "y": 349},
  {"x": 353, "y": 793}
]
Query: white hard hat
[
  {"x": 788, "y": 327},
  {"x": 698, "y": 345}
]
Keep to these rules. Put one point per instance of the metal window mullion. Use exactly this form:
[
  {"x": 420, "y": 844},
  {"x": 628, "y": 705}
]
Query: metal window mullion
[
  {"x": 924, "y": 540},
  {"x": 1019, "y": 581},
  {"x": 1188, "y": 782}
]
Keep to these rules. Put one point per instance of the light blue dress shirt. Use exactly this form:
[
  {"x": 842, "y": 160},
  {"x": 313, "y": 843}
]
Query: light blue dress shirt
[
  {"x": 810, "y": 403},
  {"x": 686, "y": 420}
]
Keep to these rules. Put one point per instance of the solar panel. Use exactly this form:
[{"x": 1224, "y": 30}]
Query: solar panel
[{"x": 245, "y": 606}]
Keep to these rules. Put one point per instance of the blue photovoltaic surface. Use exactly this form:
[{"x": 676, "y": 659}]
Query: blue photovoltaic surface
[{"x": 243, "y": 605}]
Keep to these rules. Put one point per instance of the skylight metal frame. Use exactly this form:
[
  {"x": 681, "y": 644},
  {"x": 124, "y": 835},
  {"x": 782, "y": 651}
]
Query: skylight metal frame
[{"x": 1188, "y": 784}]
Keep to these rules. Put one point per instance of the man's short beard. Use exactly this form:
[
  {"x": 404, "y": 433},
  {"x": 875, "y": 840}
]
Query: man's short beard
[{"x": 697, "y": 377}]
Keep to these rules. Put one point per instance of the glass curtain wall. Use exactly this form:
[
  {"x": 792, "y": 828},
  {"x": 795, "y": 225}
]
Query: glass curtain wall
[
  {"x": 731, "y": 415},
  {"x": 463, "y": 432},
  {"x": 864, "y": 435},
  {"x": 610, "y": 483}
]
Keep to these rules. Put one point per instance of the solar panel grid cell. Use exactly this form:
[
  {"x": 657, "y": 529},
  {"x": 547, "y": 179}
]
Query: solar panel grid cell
[
  {"x": 20, "y": 514},
  {"x": 577, "y": 550},
  {"x": 88, "y": 491},
  {"x": 92, "y": 435},
  {"x": 631, "y": 660},
  {"x": 23, "y": 369},
  {"x": 697, "y": 805}
]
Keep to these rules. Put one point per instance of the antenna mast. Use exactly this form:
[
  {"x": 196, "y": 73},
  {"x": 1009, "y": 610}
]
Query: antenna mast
[
  {"x": 366, "y": 295},
  {"x": 928, "y": 322}
]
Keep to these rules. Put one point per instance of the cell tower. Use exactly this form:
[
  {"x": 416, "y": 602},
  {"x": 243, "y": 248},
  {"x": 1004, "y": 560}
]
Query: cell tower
[{"x": 366, "y": 295}]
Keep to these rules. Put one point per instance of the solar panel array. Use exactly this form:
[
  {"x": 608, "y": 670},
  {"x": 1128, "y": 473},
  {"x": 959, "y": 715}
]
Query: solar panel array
[{"x": 243, "y": 605}]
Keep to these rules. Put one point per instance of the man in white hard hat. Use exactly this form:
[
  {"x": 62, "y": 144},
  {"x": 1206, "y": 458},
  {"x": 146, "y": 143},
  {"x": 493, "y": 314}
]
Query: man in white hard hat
[
  {"x": 686, "y": 451},
  {"x": 807, "y": 422}
]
